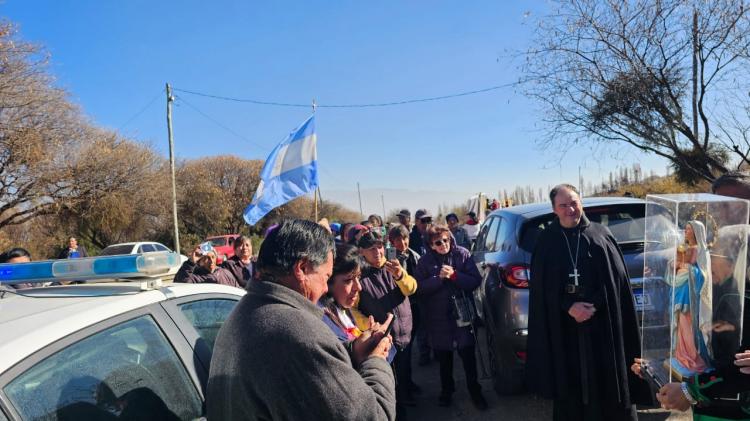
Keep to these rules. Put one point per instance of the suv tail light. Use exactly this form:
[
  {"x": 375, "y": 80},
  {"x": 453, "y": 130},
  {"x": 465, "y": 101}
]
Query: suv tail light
[{"x": 517, "y": 276}]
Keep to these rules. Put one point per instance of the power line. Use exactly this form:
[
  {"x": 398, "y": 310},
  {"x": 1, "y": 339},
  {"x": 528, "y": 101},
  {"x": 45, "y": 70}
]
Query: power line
[
  {"x": 229, "y": 130},
  {"x": 142, "y": 110},
  {"x": 371, "y": 105},
  {"x": 216, "y": 122}
]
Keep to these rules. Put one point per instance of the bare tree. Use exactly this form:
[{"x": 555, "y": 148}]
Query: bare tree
[
  {"x": 39, "y": 131},
  {"x": 652, "y": 74},
  {"x": 119, "y": 187}
]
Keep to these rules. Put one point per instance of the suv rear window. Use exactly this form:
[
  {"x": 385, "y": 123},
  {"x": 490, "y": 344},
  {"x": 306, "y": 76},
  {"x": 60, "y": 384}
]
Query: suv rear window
[
  {"x": 218, "y": 241},
  {"x": 115, "y": 250},
  {"x": 626, "y": 222}
]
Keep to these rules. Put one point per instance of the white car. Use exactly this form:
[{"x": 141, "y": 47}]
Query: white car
[
  {"x": 142, "y": 247},
  {"x": 134, "y": 350}
]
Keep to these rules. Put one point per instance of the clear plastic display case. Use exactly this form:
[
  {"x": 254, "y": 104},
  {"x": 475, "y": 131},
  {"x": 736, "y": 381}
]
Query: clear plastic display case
[{"x": 695, "y": 261}]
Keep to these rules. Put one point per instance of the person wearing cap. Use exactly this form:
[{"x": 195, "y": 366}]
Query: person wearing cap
[
  {"x": 404, "y": 218},
  {"x": 355, "y": 233},
  {"x": 201, "y": 267},
  {"x": 471, "y": 225},
  {"x": 423, "y": 220},
  {"x": 386, "y": 287},
  {"x": 459, "y": 232},
  {"x": 275, "y": 358}
]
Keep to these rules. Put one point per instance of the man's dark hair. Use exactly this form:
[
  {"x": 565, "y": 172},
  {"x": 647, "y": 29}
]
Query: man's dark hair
[
  {"x": 347, "y": 260},
  {"x": 557, "y": 188},
  {"x": 13, "y": 253},
  {"x": 398, "y": 231},
  {"x": 732, "y": 178},
  {"x": 290, "y": 242}
]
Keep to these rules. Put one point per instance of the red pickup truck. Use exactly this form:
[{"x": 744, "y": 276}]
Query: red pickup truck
[{"x": 224, "y": 246}]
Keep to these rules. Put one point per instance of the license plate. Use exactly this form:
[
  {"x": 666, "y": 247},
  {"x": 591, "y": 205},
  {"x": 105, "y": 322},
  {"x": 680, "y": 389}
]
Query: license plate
[{"x": 642, "y": 301}]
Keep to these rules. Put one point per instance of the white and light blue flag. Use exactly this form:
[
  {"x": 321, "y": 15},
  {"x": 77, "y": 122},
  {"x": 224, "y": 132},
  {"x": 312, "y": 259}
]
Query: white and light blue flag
[{"x": 289, "y": 172}]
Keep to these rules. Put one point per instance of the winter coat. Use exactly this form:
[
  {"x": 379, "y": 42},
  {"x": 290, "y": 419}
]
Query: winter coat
[
  {"x": 242, "y": 273},
  {"x": 435, "y": 296},
  {"x": 381, "y": 294},
  {"x": 275, "y": 359},
  {"x": 462, "y": 237},
  {"x": 190, "y": 273}
]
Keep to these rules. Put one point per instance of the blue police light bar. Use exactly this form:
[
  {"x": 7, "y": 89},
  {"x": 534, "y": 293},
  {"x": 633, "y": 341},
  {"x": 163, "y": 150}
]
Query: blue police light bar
[{"x": 105, "y": 267}]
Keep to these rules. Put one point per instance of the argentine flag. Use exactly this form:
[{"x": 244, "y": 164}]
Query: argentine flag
[{"x": 289, "y": 172}]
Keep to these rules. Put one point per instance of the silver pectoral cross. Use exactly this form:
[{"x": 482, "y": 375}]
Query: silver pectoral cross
[{"x": 575, "y": 276}]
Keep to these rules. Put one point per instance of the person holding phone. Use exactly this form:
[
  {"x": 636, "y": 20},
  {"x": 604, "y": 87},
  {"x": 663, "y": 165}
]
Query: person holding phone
[
  {"x": 386, "y": 287},
  {"x": 447, "y": 273},
  {"x": 201, "y": 267}
]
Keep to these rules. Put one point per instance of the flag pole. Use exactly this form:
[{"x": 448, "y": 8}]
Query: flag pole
[{"x": 317, "y": 190}]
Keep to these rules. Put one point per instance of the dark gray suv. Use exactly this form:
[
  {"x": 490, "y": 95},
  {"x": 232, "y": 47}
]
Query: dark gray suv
[{"x": 503, "y": 254}]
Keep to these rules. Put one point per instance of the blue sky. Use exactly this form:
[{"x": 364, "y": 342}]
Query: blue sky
[{"x": 115, "y": 58}]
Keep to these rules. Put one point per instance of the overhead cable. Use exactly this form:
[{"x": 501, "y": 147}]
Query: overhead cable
[{"x": 371, "y": 105}]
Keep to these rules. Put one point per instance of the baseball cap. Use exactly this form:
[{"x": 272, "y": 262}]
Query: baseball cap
[
  {"x": 472, "y": 214},
  {"x": 422, "y": 213},
  {"x": 404, "y": 212},
  {"x": 451, "y": 215}
]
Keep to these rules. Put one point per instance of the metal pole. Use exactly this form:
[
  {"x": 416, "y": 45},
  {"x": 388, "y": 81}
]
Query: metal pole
[
  {"x": 170, "y": 99},
  {"x": 315, "y": 193},
  {"x": 382, "y": 202},
  {"x": 359, "y": 193}
]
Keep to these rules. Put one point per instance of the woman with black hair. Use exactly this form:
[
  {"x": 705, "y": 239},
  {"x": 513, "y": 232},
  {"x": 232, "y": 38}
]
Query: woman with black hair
[
  {"x": 17, "y": 255},
  {"x": 343, "y": 293}
]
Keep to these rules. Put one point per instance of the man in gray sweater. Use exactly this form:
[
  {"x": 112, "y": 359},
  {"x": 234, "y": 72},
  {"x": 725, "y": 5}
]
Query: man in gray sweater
[{"x": 275, "y": 359}]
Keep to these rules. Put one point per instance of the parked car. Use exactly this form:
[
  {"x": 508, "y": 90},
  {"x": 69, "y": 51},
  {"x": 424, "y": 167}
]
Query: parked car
[
  {"x": 503, "y": 254},
  {"x": 224, "y": 245},
  {"x": 127, "y": 350},
  {"x": 142, "y": 247}
]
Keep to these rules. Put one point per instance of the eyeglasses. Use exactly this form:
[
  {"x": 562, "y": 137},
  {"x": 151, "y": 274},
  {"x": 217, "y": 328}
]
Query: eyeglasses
[
  {"x": 426, "y": 220},
  {"x": 441, "y": 241}
]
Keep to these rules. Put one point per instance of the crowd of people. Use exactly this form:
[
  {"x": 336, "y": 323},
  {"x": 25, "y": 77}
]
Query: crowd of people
[
  {"x": 353, "y": 298},
  {"x": 334, "y": 310}
]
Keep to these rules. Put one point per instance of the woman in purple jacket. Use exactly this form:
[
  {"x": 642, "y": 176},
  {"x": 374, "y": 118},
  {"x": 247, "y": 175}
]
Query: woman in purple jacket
[{"x": 445, "y": 271}]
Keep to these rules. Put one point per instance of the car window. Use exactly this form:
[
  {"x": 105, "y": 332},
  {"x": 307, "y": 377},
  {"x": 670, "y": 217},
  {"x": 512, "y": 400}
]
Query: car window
[
  {"x": 115, "y": 250},
  {"x": 506, "y": 234},
  {"x": 626, "y": 221},
  {"x": 479, "y": 242},
  {"x": 218, "y": 241},
  {"x": 490, "y": 239},
  {"x": 128, "y": 371},
  {"x": 207, "y": 316},
  {"x": 146, "y": 248},
  {"x": 160, "y": 247}
]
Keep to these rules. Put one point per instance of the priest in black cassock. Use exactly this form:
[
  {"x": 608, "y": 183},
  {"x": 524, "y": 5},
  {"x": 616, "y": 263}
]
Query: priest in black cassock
[{"x": 583, "y": 333}]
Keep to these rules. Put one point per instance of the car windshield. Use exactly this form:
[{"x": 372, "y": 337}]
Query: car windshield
[
  {"x": 218, "y": 241},
  {"x": 117, "y": 249},
  {"x": 626, "y": 221}
]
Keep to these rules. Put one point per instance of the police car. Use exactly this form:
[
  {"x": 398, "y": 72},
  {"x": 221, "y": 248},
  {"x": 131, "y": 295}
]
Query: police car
[{"x": 106, "y": 350}]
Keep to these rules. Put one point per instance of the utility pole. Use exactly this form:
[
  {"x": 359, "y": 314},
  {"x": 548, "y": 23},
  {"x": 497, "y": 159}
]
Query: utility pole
[
  {"x": 359, "y": 193},
  {"x": 382, "y": 202},
  {"x": 170, "y": 100}
]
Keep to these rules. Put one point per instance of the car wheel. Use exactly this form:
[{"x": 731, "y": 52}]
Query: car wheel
[{"x": 505, "y": 380}]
